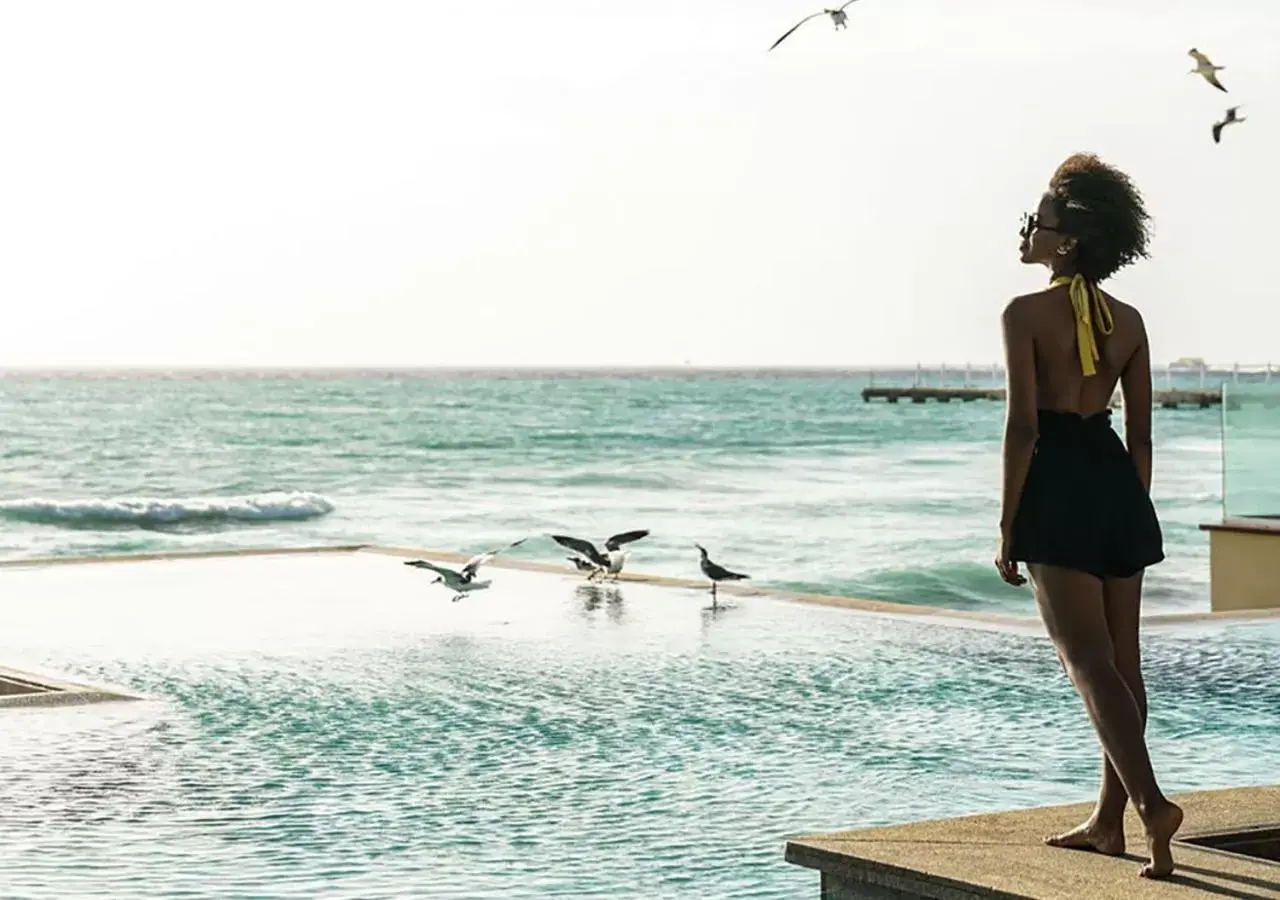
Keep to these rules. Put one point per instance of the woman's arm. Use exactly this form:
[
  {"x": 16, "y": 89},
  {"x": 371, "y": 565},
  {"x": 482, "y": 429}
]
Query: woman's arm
[
  {"x": 1135, "y": 384},
  {"x": 1021, "y": 427}
]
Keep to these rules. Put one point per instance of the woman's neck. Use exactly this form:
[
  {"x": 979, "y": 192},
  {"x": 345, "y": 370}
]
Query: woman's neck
[{"x": 1062, "y": 270}]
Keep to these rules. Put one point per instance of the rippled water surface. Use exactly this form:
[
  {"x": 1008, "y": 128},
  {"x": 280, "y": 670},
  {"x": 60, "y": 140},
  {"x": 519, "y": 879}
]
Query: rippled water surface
[{"x": 334, "y": 726}]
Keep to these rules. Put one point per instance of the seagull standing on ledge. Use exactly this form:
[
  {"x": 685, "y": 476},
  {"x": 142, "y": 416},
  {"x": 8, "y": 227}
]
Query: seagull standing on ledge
[
  {"x": 1206, "y": 68},
  {"x": 839, "y": 18},
  {"x": 463, "y": 581},
  {"x": 716, "y": 572},
  {"x": 1229, "y": 120},
  {"x": 591, "y": 559}
]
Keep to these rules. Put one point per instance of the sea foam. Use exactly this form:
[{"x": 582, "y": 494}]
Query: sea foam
[{"x": 266, "y": 507}]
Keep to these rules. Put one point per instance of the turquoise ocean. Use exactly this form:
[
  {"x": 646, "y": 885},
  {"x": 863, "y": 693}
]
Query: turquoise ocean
[
  {"x": 332, "y": 726},
  {"x": 788, "y": 476}
]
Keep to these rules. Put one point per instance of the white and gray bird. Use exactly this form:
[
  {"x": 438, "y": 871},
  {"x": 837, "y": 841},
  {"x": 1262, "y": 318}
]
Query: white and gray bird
[
  {"x": 590, "y": 559},
  {"x": 839, "y": 18},
  {"x": 716, "y": 572},
  {"x": 1205, "y": 68},
  {"x": 463, "y": 581},
  {"x": 1231, "y": 119}
]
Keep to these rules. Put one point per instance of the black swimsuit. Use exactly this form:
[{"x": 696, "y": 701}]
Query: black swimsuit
[{"x": 1083, "y": 506}]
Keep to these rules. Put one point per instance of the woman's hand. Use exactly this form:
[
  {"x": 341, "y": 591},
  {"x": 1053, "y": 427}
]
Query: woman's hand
[{"x": 1007, "y": 568}]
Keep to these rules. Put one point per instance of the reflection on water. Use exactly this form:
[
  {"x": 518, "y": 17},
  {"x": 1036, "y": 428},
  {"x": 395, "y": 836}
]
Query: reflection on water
[{"x": 593, "y": 596}]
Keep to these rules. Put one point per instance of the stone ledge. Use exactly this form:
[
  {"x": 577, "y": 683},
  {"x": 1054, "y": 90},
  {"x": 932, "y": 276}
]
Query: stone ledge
[
  {"x": 1001, "y": 855},
  {"x": 25, "y": 689}
]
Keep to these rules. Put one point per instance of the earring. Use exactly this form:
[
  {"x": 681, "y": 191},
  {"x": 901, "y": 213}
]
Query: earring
[{"x": 1063, "y": 250}]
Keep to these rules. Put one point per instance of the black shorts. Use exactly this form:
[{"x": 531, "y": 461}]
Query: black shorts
[{"x": 1083, "y": 506}]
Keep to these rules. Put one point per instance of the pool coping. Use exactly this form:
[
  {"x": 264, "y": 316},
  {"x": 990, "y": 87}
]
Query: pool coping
[
  {"x": 1002, "y": 855},
  {"x": 878, "y": 607},
  {"x": 53, "y": 689}
]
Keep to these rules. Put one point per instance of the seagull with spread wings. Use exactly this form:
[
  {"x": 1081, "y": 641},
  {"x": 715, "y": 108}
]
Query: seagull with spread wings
[
  {"x": 609, "y": 562},
  {"x": 463, "y": 581},
  {"x": 1206, "y": 68},
  {"x": 1231, "y": 119},
  {"x": 839, "y": 18}
]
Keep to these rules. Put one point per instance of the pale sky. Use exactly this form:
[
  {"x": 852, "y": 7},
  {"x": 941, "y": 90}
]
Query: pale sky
[{"x": 590, "y": 182}]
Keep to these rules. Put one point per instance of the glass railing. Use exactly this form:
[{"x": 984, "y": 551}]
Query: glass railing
[{"x": 1251, "y": 450}]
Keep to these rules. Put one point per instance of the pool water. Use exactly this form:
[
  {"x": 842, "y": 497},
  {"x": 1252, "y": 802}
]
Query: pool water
[{"x": 333, "y": 726}]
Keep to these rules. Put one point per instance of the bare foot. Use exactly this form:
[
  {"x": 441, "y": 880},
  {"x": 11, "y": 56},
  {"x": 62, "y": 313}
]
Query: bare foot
[
  {"x": 1092, "y": 835},
  {"x": 1160, "y": 831}
]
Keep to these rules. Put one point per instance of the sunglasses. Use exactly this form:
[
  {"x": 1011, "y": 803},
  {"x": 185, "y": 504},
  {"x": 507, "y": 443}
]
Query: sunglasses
[{"x": 1031, "y": 222}]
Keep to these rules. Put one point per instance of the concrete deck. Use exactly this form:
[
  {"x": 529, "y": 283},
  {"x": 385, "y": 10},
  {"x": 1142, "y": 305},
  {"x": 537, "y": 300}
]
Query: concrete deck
[{"x": 1001, "y": 855}]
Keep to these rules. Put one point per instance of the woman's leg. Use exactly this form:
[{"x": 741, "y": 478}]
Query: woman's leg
[
  {"x": 1073, "y": 608},
  {"x": 1103, "y": 831}
]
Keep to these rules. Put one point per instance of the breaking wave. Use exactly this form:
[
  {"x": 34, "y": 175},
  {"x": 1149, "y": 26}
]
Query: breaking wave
[{"x": 273, "y": 506}]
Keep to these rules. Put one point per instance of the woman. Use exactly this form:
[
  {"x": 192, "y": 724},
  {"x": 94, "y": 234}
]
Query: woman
[{"x": 1075, "y": 505}]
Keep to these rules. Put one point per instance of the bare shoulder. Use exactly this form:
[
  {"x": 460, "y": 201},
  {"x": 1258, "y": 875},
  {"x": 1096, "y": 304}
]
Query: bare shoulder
[
  {"x": 1022, "y": 307},
  {"x": 1126, "y": 313}
]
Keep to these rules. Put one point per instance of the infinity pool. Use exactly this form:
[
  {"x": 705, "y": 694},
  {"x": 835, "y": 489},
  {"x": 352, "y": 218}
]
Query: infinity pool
[{"x": 333, "y": 726}]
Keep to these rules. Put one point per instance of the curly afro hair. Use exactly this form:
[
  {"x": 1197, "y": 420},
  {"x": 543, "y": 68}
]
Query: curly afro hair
[{"x": 1099, "y": 206}]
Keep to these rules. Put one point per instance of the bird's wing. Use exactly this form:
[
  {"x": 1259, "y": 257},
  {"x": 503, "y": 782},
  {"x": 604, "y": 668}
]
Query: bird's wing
[
  {"x": 451, "y": 577},
  {"x": 720, "y": 573},
  {"x": 1217, "y": 132},
  {"x": 1212, "y": 78},
  {"x": 846, "y": 3},
  {"x": 1199, "y": 57},
  {"x": 475, "y": 562},
  {"x": 578, "y": 545},
  {"x": 795, "y": 26},
  {"x": 625, "y": 538}
]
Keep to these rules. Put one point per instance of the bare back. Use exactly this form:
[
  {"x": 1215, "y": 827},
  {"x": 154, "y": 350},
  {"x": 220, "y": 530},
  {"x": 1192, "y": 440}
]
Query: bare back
[{"x": 1124, "y": 357}]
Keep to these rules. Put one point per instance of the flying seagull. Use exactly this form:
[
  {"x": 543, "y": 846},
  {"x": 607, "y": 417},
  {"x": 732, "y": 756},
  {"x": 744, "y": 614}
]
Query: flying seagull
[
  {"x": 1230, "y": 119},
  {"x": 1205, "y": 68},
  {"x": 716, "y": 572},
  {"x": 463, "y": 581},
  {"x": 610, "y": 561},
  {"x": 838, "y": 16}
]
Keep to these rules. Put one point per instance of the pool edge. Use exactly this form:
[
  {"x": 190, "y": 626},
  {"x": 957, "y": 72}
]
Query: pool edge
[
  {"x": 856, "y": 604},
  {"x": 45, "y": 689}
]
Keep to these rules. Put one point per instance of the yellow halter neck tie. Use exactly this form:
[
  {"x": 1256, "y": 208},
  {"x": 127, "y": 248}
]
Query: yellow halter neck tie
[{"x": 1081, "y": 293}]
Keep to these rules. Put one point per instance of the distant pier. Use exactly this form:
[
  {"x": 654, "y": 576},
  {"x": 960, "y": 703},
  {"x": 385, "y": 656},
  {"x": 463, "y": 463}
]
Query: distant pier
[{"x": 1169, "y": 399}]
